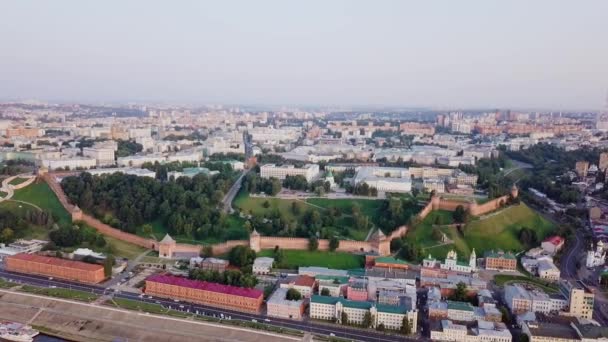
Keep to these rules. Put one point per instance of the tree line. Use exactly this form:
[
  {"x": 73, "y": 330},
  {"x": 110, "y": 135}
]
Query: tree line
[{"x": 187, "y": 206}]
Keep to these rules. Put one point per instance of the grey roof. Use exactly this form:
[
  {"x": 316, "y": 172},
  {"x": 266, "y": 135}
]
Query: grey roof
[{"x": 167, "y": 239}]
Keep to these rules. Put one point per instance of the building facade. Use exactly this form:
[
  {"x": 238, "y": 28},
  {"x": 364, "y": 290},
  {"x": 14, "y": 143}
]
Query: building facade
[
  {"x": 55, "y": 267},
  {"x": 500, "y": 261},
  {"x": 212, "y": 294}
]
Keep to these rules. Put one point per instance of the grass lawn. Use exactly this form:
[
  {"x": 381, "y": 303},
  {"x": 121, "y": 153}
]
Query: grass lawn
[
  {"x": 504, "y": 279},
  {"x": 235, "y": 231},
  {"x": 5, "y": 284},
  {"x": 60, "y": 293},
  {"x": 338, "y": 260},
  {"x": 370, "y": 208},
  {"x": 255, "y": 205},
  {"x": 3, "y": 194},
  {"x": 122, "y": 249},
  {"x": 421, "y": 234},
  {"x": 498, "y": 231},
  {"x": 42, "y": 196},
  {"x": 137, "y": 306},
  {"x": 17, "y": 207},
  {"x": 17, "y": 181}
]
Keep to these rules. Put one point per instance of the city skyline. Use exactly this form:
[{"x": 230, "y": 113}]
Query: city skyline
[{"x": 397, "y": 54}]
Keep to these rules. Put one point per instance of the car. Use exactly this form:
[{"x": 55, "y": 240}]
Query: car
[
  {"x": 267, "y": 320},
  {"x": 254, "y": 320},
  {"x": 332, "y": 334},
  {"x": 176, "y": 300}
]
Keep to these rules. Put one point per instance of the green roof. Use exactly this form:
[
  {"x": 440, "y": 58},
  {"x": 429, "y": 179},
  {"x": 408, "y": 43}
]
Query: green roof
[
  {"x": 499, "y": 255},
  {"x": 462, "y": 263},
  {"x": 357, "y": 272},
  {"x": 391, "y": 260},
  {"x": 329, "y": 278},
  {"x": 462, "y": 306},
  {"x": 391, "y": 309},
  {"x": 356, "y": 304},
  {"x": 324, "y": 299}
]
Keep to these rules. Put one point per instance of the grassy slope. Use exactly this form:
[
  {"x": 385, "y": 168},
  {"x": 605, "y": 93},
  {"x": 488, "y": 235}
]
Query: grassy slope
[
  {"x": 496, "y": 232},
  {"x": 17, "y": 181},
  {"x": 338, "y": 260},
  {"x": 41, "y": 195},
  {"x": 61, "y": 293},
  {"x": 500, "y": 231}
]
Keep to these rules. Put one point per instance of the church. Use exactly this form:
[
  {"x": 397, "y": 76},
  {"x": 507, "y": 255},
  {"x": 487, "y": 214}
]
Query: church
[
  {"x": 451, "y": 263},
  {"x": 597, "y": 257}
]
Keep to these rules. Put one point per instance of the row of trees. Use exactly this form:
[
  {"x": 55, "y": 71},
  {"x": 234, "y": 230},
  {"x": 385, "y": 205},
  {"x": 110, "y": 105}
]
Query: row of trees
[
  {"x": 228, "y": 277},
  {"x": 13, "y": 226},
  {"x": 187, "y": 206},
  {"x": 128, "y": 148},
  {"x": 256, "y": 184},
  {"x": 69, "y": 236}
]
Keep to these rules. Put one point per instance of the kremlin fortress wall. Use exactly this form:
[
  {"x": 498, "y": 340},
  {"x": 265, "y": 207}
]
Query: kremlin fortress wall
[{"x": 378, "y": 243}]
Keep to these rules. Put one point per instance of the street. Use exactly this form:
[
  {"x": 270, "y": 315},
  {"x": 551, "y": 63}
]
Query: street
[{"x": 304, "y": 326}]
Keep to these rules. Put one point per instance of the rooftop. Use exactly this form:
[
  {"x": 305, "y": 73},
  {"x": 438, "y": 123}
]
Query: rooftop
[
  {"x": 305, "y": 280},
  {"x": 499, "y": 255},
  {"x": 205, "y": 286},
  {"x": 56, "y": 262},
  {"x": 390, "y": 260}
]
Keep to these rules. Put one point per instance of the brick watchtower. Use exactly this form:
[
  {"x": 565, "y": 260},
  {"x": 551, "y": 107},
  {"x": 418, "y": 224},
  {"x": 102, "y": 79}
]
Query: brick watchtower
[
  {"x": 254, "y": 241},
  {"x": 166, "y": 247}
]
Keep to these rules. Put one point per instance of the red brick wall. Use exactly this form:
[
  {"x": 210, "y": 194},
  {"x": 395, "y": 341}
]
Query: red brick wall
[{"x": 75, "y": 274}]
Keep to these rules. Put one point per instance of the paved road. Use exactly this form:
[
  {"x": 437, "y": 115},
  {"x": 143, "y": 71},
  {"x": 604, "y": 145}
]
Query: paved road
[
  {"x": 234, "y": 190},
  {"x": 305, "y": 326}
]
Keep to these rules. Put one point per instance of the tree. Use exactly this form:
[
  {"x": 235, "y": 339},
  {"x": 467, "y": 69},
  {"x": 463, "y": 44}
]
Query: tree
[
  {"x": 266, "y": 204},
  {"x": 367, "y": 319},
  {"x": 241, "y": 256},
  {"x": 7, "y": 235},
  {"x": 380, "y": 327},
  {"x": 460, "y": 214},
  {"x": 295, "y": 209},
  {"x": 436, "y": 234},
  {"x": 325, "y": 292},
  {"x": 344, "y": 318},
  {"x": 406, "y": 328},
  {"x": 313, "y": 243},
  {"x": 460, "y": 293},
  {"x": 410, "y": 252},
  {"x": 207, "y": 251},
  {"x": 107, "y": 265},
  {"x": 334, "y": 243},
  {"x": 146, "y": 229},
  {"x": 293, "y": 294}
]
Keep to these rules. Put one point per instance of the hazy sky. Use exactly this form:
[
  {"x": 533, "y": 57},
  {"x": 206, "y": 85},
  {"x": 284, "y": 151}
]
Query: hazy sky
[{"x": 453, "y": 53}]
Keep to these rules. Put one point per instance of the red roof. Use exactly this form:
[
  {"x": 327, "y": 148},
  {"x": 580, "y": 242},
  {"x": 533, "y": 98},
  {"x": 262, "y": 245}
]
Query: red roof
[
  {"x": 57, "y": 261},
  {"x": 556, "y": 240},
  {"x": 305, "y": 280},
  {"x": 206, "y": 286}
]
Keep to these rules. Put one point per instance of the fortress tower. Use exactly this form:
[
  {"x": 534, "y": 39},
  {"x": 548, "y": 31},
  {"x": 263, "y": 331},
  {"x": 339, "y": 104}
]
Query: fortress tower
[
  {"x": 166, "y": 247},
  {"x": 254, "y": 241}
]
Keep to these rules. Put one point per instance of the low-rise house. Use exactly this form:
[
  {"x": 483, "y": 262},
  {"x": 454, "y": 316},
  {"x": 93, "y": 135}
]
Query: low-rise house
[
  {"x": 500, "y": 261},
  {"x": 279, "y": 306},
  {"x": 391, "y": 317},
  {"x": 262, "y": 265},
  {"x": 304, "y": 284},
  {"x": 479, "y": 331},
  {"x": 552, "y": 244},
  {"x": 335, "y": 285},
  {"x": 209, "y": 264}
]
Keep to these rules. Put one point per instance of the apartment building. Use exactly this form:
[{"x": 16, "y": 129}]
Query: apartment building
[
  {"x": 331, "y": 308},
  {"x": 278, "y": 306},
  {"x": 72, "y": 163},
  {"x": 103, "y": 155},
  {"x": 581, "y": 303},
  {"x": 55, "y": 267},
  {"x": 479, "y": 331},
  {"x": 309, "y": 171},
  {"x": 206, "y": 293},
  {"x": 384, "y": 179},
  {"x": 520, "y": 300},
  {"x": 499, "y": 260}
]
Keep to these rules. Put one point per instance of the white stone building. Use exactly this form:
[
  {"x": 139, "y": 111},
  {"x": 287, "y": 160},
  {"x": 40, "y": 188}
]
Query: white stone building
[
  {"x": 309, "y": 171},
  {"x": 596, "y": 258},
  {"x": 451, "y": 263}
]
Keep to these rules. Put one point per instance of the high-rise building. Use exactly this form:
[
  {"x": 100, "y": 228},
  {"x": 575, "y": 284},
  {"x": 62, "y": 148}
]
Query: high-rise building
[
  {"x": 581, "y": 303},
  {"x": 603, "y": 164},
  {"x": 582, "y": 167}
]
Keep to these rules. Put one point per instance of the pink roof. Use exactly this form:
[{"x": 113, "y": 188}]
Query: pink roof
[
  {"x": 79, "y": 265},
  {"x": 556, "y": 240},
  {"x": 206, "y": 286},
  {"x": 305, "y": 280}
]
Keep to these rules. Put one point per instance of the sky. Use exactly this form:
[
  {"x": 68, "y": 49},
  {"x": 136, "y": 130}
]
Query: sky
[{"x": 548, "y": 54}]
